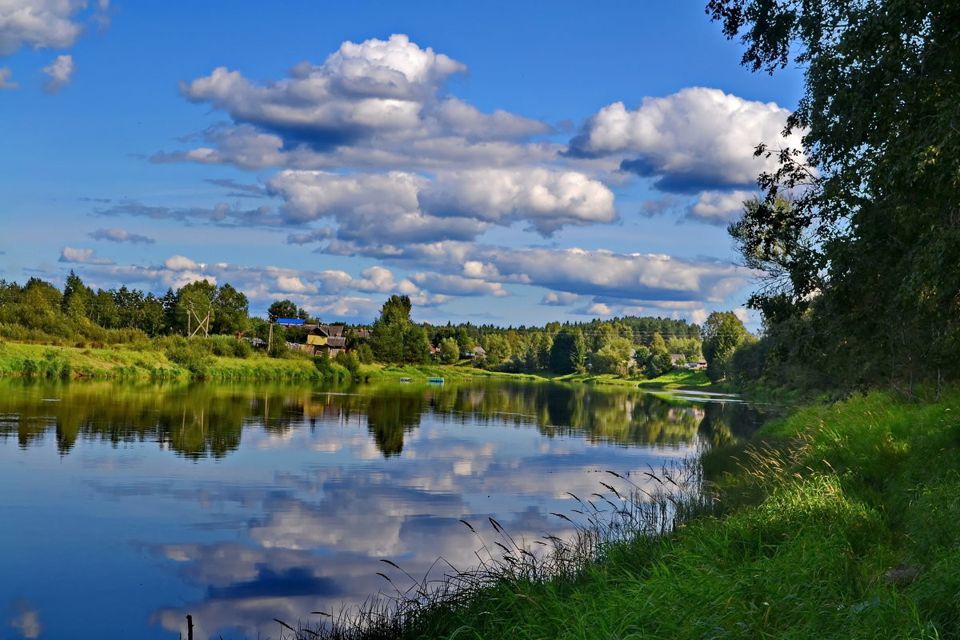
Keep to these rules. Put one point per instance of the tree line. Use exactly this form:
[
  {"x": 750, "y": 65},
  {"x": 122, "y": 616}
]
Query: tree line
[{"x": 644, "y": 346}]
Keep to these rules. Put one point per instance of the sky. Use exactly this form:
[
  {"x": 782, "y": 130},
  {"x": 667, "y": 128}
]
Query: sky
[{"x": 508, "y": 163}]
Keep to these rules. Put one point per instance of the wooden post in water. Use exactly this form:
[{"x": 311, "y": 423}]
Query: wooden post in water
[{"x": 189, "y": 627}]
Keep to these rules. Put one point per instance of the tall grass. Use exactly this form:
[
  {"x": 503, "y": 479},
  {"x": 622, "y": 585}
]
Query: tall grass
[
  {"x": 840, "y": 521},
  {"x": 509, "y": 571}
]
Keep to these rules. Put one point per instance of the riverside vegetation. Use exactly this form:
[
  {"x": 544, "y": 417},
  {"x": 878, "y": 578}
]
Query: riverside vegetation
[
  {"x": 837, "y": 521},
  {"x": 124, "y": 333}
]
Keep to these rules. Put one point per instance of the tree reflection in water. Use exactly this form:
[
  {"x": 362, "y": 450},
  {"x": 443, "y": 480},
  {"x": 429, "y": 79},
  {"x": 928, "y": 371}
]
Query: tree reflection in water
[{"x": 199, "y": 421}]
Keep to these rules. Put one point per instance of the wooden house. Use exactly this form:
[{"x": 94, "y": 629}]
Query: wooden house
[{"x": 327, "y": 338}]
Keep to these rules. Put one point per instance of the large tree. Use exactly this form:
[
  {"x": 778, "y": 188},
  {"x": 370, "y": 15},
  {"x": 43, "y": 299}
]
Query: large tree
[
  {"x": 723, "y": 332},
  {"x": 569, "y": 352},
  {"x": 395, "y": 338},
  {"x": 867, "y": 253},
  {"x": 230, "y": 311}
]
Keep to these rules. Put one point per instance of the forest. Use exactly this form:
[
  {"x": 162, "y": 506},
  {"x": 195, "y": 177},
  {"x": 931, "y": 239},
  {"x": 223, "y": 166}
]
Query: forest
[{"x": 201, "y": 319}]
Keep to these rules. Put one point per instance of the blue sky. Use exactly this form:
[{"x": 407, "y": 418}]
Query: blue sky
[{"x": 509, "y": 162}]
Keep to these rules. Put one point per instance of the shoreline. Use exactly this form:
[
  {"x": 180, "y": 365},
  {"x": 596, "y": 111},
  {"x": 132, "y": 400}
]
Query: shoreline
[
  {"x": 837, "y": 520},
  {"x": 149, "y": 363}
]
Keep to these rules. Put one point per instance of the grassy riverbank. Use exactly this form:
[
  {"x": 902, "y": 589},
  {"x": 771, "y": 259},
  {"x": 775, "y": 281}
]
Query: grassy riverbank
[
  {"x": 133, "y": 363},
  {"x": 151, "y": 362},
  {"x": 838, "y": 521}
]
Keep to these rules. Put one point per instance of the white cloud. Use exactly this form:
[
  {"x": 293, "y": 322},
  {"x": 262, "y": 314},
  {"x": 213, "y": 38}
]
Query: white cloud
[
  {"x": 293, "y": 284},
  {"x": 406, "y": 207},
  {"x": 695, "y": 139},
  {"x": 120, "y": 235},
  {"x": 5, "y": 82},
  {"x": 559, "y": 299},
  {"x": 60, "y": 71},
  {"x": 181, "y": 263},
  {"x": 379, "y": 103},
  {"x": 27, "y": 621},
  {"x": 458, "y": 285},
  {"x": 546, "y": 199},
  {"x": 81, "y": 256},
  {"x": 599, "y": 309},
  {"x": 719, "y": 207},
  {"x": 604, "y": 273},
  {"x": 38, "y": 24},
  {"x": 374, "y": 86}
]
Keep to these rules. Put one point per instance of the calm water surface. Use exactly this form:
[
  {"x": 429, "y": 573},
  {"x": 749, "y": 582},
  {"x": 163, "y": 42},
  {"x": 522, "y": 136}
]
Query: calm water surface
[{"x": 123, "y": 508}]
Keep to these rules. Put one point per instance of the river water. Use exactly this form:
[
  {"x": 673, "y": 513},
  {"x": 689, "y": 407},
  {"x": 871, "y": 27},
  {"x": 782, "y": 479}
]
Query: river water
[{"x": 125, "y": 507}]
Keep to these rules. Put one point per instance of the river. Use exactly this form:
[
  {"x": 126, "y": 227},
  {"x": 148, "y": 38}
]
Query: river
[{"x": 125, "y": 507}]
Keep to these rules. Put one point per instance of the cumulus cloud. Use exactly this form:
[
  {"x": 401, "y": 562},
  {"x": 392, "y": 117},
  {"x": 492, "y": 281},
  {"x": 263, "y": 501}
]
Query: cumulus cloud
[
  {"x": 695, "y": 139},
  {"x": 181, "y": 263},
  {"x": 374, "y": 104},
  {"x": 40, "y": 23},
  {"x": 293, "y": 284},
  {"x": 367, "y": 207},
  {"x": 578, "y": 272},
  {"x": 59, "y": 71},
  {"x": 458, "y": 285},
  {"x": 559, "y": 299},
  {"x": 605, "y": 273},
  {"x": 546, "y": 199},
  {"x": 5, "y": 82},
  {"x": 120, "y": 235},
  {"x": 405, "y": 207},
  {"x": 718, "y": 207},
  {"x": 81, "y": 256},
  {"x": 362, "y": 89},
  {"x": 328, "y": 293}
]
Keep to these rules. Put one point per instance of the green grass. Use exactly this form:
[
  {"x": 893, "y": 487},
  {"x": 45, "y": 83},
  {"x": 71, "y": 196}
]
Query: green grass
[
  {"x": 139, "y": 363},
  {"x": 449, "y": 372},
  {"x": 839, "y": 521}
]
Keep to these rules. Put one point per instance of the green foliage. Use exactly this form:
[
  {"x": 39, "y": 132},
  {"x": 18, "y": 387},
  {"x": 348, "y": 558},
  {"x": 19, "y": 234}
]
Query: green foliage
[
  {"x": 395, "y": 338},
  {"x": 867, "y": 253},
  {"x": 612, "y": 356},
  {"x": 569, "y": 351},
  {"x": 283, "y": 309},
  {"x": 193, "y": 355},
  {"x": 349, "y": 361},
  {"x": 449, "y": 351},
  {"x": 230, "y": 311},
  {"x": 364, "y": 353},
  {"x": 723, "y": 332}
]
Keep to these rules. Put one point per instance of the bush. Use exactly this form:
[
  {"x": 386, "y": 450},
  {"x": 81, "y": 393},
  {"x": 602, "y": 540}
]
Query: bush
[
  {"x": 189, "y": 354},
  {"x": 349, "y": 361}
]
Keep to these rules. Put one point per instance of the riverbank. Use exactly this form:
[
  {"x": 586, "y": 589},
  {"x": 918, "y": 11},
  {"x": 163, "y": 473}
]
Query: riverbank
[
  {"x": 149, "y": 362},
  {"x": 837, "y": 521},
  {"x": 133, "y": 363}
]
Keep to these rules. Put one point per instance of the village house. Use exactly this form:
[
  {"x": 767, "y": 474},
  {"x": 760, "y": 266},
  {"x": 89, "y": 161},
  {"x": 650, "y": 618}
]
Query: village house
[{"x": 326, "y": 338}]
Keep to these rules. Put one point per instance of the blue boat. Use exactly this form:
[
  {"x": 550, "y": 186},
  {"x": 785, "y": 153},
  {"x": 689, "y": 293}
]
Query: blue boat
[{"x": 435, "y": 380}]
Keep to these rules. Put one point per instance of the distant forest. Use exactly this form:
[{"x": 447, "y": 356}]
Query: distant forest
[{"x": 217, "y": 320}]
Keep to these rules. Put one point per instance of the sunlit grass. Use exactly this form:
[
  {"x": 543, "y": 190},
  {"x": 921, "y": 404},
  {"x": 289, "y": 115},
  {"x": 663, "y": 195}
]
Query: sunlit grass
[{"x": 839, "y": 521}]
